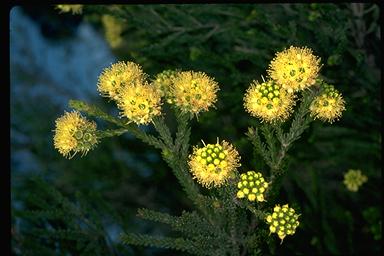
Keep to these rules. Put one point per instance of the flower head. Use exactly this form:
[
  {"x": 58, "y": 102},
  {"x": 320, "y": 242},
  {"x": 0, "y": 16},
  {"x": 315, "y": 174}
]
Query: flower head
[
  {"x": 283, "y": 221},
  {"x": 139, "y": 103},
  {"x": 194, "y": 92},
  {"x": 295, "y": 68},
  {"x": 268, "y": 101},
  {"x": 74, "y": 8},
  {"x": 329, "y": 105},
  {"x": 164, "y": 82},
  {"x": 214, "y": 164},
  {"x": 73, "y": 134},
  {"x": 353, "y": 179},
  {"x": 252, "y": 186},
  {"x": 119, "y": 75}
]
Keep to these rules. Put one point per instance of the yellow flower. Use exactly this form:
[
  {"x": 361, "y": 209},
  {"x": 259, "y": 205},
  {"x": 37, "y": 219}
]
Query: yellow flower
[
  {"x": 353, "y": 179},
  {"x": 283, "y": 221},
  {"x": 74, "y": 8},
  {"x": 112, "y": 30},
  {"x": 295, "y": 68},
  {"x": 329, "y": 105},
  {"x": 252, "y": 185},
  {"x": 268, "y": 101},
  {"x": 214, "y": 164},
  {"x": 139, "y": 103},
  {"x": 194, "y": 91},
  {"x": 73, "y": 134},
  {"x": 164, "y": 82},
  {"x": 119, "y": 75}
]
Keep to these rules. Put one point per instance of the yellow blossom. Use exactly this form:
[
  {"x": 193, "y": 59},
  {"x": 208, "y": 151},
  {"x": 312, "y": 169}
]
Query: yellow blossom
[
  {"x": 194, "y": 92},
  {"x": 268, "y": 101},
  {"x": 119, "y": 75},
  {"x": 353, "y": 179},
  {"x": 329, "y": 105},
  {"x": 73, "y": 134},
  {"x": 295, "y": 68},
  {"x": 74, "y": 8},
  {"x": 139, "y": 103},
  {"x": 214, "y": 164},
  {"x": 113, "y": 28},
  {"x": 283, "y": 221}
]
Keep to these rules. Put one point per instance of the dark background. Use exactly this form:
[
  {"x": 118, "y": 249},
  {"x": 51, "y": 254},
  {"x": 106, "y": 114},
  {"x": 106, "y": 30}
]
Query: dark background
[{"x": 55, "y": 57}]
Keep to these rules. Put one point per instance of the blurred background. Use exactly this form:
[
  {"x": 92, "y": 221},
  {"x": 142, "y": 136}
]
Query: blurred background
[{"x": 57, "y": 56}]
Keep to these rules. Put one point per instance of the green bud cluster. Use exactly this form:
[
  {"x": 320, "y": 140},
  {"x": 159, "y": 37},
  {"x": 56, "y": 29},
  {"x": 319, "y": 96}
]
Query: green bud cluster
[
  {"x": 330, "y": 91},
  {"x": 268, "y": 92},
  {"x": 164, "y": 82},
  {"x": 213, "y": 156},
  {"x": 86, "y": 137},
  {"x": 252, "y": 186},
  {"x": 283, "y": 221}
]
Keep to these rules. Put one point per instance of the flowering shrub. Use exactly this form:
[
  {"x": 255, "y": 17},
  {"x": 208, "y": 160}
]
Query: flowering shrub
[{"x": 231, "y": 190}]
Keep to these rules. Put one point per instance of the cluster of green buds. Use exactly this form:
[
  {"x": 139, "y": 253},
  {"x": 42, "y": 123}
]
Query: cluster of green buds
[
  {"x": 164, "y": 81},
  {"x": 252, "y": 186},
  {"x": 283, "y": 221},
  {"x": 213, "y": 156},
  {"x": 329, "y": 105},
  {"x": 330, "y": 91},
  {"x": 269, "y": 92}
]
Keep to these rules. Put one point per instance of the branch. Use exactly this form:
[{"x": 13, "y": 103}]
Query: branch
[{"x": 94, "y": 111}]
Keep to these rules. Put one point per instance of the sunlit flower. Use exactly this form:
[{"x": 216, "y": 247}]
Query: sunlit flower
[
  {"x": 139, "y": 103},
  {"x": 283, "y": 221},
  {"x": 118, "y": 76},
  {"x": 194, "y": 92},
  {"x": 268, "y": 101},
  {"x": 353, "y": 179},
  {"x": 74, "y": 8},
  {"x": 113, "y": 28},
  {"x": 214, "y": 164},
  {"x": 252, "y": 186},
  {"x": 295, "y": 68},
  {"x": 164, "y": 82},
  {"x": 73, "y": 134},
  {"x": 329, "y": 105}
]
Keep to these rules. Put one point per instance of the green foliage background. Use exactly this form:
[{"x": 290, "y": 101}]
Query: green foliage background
[{"x": 233, "y": 43}]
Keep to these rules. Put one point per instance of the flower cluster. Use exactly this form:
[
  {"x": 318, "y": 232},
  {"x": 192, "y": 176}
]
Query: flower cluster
[
  {"x": 353, "y": 179},
  {"x": 329, "y": 105},
  {"x": 126, "y": 84},
  {"x": 164, "y": 82},
  {"x": 214, "y": 164},
  {"x": 73, "y": 134},
  {"x": 283, "y": 221},
  {"x": 268, "y": 101},
  {"x": 295, "y": 68},
  {"x": 292, "y": 70},
  {"x": 252, "y": 186},
  {"x": 194, "y": 91}
]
